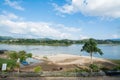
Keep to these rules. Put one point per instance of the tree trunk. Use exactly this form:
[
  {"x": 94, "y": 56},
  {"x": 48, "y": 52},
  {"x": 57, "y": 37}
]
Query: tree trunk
[
  {"x": 18, "y": 70},
  {"x": 91, "y": 61}
]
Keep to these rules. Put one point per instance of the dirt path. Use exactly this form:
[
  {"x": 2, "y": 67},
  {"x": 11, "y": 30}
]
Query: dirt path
[{"x": 62, "y": 78}]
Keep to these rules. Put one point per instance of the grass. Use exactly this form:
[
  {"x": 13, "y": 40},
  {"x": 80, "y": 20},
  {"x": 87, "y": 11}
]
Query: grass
[{"x": 116, "y": 61}]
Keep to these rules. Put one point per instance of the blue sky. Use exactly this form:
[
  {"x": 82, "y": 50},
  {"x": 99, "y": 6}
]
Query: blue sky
[{"x": 60, "y": 19}]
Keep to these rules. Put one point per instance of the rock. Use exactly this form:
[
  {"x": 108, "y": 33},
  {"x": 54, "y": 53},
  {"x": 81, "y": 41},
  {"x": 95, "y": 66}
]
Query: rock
[{"x": 85, "y": 74}]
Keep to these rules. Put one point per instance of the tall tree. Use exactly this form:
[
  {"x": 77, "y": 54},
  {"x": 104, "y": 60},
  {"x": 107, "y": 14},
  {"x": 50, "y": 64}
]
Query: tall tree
[{"x": 90, "y": 46}]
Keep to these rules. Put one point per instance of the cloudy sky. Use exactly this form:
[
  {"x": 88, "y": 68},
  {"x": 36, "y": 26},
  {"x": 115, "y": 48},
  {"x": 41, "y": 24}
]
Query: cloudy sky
[{"x": 60, "y": 19}]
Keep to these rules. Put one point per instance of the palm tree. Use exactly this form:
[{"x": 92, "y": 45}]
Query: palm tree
[{"x": 90, "y": 46}]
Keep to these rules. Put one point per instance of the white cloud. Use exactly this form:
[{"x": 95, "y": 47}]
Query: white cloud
[
  {"x": 115, "y": 36},
  {"x": 13, "y": 26},
  {"x": 103, "y": 8},
  {"x": 14, "y": 4},
  {"x": 84, "y": 37},
  {"x": 6, "y": 15}
]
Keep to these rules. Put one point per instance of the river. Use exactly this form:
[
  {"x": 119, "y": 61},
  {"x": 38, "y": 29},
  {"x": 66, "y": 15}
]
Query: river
[{"x": 110, "y": 51}]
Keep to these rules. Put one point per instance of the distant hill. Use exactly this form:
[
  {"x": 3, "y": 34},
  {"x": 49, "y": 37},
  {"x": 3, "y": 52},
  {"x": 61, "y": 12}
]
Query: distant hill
[
  {"x": 5, "y": 38},
  {"x": 118, "y": 39},
  {"x": 44, "y": 39},
  {"x": 9, "y": 38}
]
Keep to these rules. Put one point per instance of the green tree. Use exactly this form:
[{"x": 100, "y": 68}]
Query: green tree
[
  {"x": 22, "y": 55},
  {"x": 29, "y": 55},
  {"x": 12, "y": 55},
  {"x": 90, "y": 46}
]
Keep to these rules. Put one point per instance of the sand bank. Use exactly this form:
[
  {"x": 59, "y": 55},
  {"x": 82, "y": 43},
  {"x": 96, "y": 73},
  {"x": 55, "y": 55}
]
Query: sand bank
[{"x": 67, "y": 59}]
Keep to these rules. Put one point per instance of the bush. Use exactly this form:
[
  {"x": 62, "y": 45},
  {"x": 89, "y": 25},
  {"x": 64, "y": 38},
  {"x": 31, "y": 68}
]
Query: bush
[
  {"x": 116, "y": 68},
  {"x": 105, "y": 68},
  {"x": 37, "y": 69},
  {"x": 94, "y": 67},
  {"x": 81, "y": 70},
  {"x": 21, "y": 54},
  {"x": 45, "y": 57},
  {"x": 10, "y": 63}
]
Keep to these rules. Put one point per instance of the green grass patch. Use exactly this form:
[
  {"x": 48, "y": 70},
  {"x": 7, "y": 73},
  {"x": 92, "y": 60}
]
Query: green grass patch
[{"x": 116, "y": 61}]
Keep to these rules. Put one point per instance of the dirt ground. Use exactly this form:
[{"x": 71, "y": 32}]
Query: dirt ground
[
  {"x": 49, "y": 66},
  {"x": 62, "y": 78}
]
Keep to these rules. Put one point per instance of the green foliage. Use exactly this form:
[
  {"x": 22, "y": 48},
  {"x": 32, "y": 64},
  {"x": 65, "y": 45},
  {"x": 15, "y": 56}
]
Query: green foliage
[
  {"x": 18, "y": 65},
  {"x": 116, "y": 61},
  {"x": 12, "y": 55},
  {"x": 51, "y": 42},
  {"x": 37, "y": 69},
  {"x": 91, "y": 46},
  {"x": 10, "y": 63},
  {"x": 94, "y": 67},
  {"x": 116, "y": 68},
  {"x": 12, "y": 58},
  {"x": 21, "y": 54},
  {"x": 45, "y": 57},
  {"x": 29, "y": 55},
  {"x": 81, "y": 70}
]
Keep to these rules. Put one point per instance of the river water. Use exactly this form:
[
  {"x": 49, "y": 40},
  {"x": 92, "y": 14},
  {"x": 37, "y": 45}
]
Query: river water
[{"x": 110, "y": 51}]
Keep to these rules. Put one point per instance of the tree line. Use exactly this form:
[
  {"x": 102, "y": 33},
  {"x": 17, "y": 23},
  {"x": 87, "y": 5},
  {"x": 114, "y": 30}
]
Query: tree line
[{"x": 64, "y": 42}]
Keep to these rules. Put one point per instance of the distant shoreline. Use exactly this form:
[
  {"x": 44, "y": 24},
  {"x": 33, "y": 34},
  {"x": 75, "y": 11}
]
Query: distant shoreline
[{"x": 54, "y": 44}]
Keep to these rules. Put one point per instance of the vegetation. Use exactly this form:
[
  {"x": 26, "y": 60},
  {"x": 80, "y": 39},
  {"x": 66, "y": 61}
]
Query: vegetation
[
  {"x": 81, "y": 70},
  {"x": 13, "y": 57},
  {"x": 10, "y": 63},
  {"x": 118, "y": 64},
  {"x": 37, "y": 69},
  {"x": 45, "y": 57},
  {"x": 51, "y": 42},
  {"x": 117, "y": 61},
  {"x": 21, "y": 54},
  {"x": 91, "y": 47},
  {"x": 94, "y": 67}
]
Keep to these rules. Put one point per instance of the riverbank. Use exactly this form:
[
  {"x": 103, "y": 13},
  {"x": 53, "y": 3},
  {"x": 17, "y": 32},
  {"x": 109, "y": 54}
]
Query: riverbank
[
  {"x": 67, "y": 62},
  {"x": 67, "y": 59}
]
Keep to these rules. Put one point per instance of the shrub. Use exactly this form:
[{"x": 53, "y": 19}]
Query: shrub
[
  {"x": 37, "y": 69},
  {"x": 21, "y": 54},
  {"x": 10, "y": 63},
  {"x": 116, "y": 68},
  {"x": 45, "y": 57},
  {"x": 105, "y": 68},
  {"x": 94, "y": 67},
  {"x": 81, "y": 70}
]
